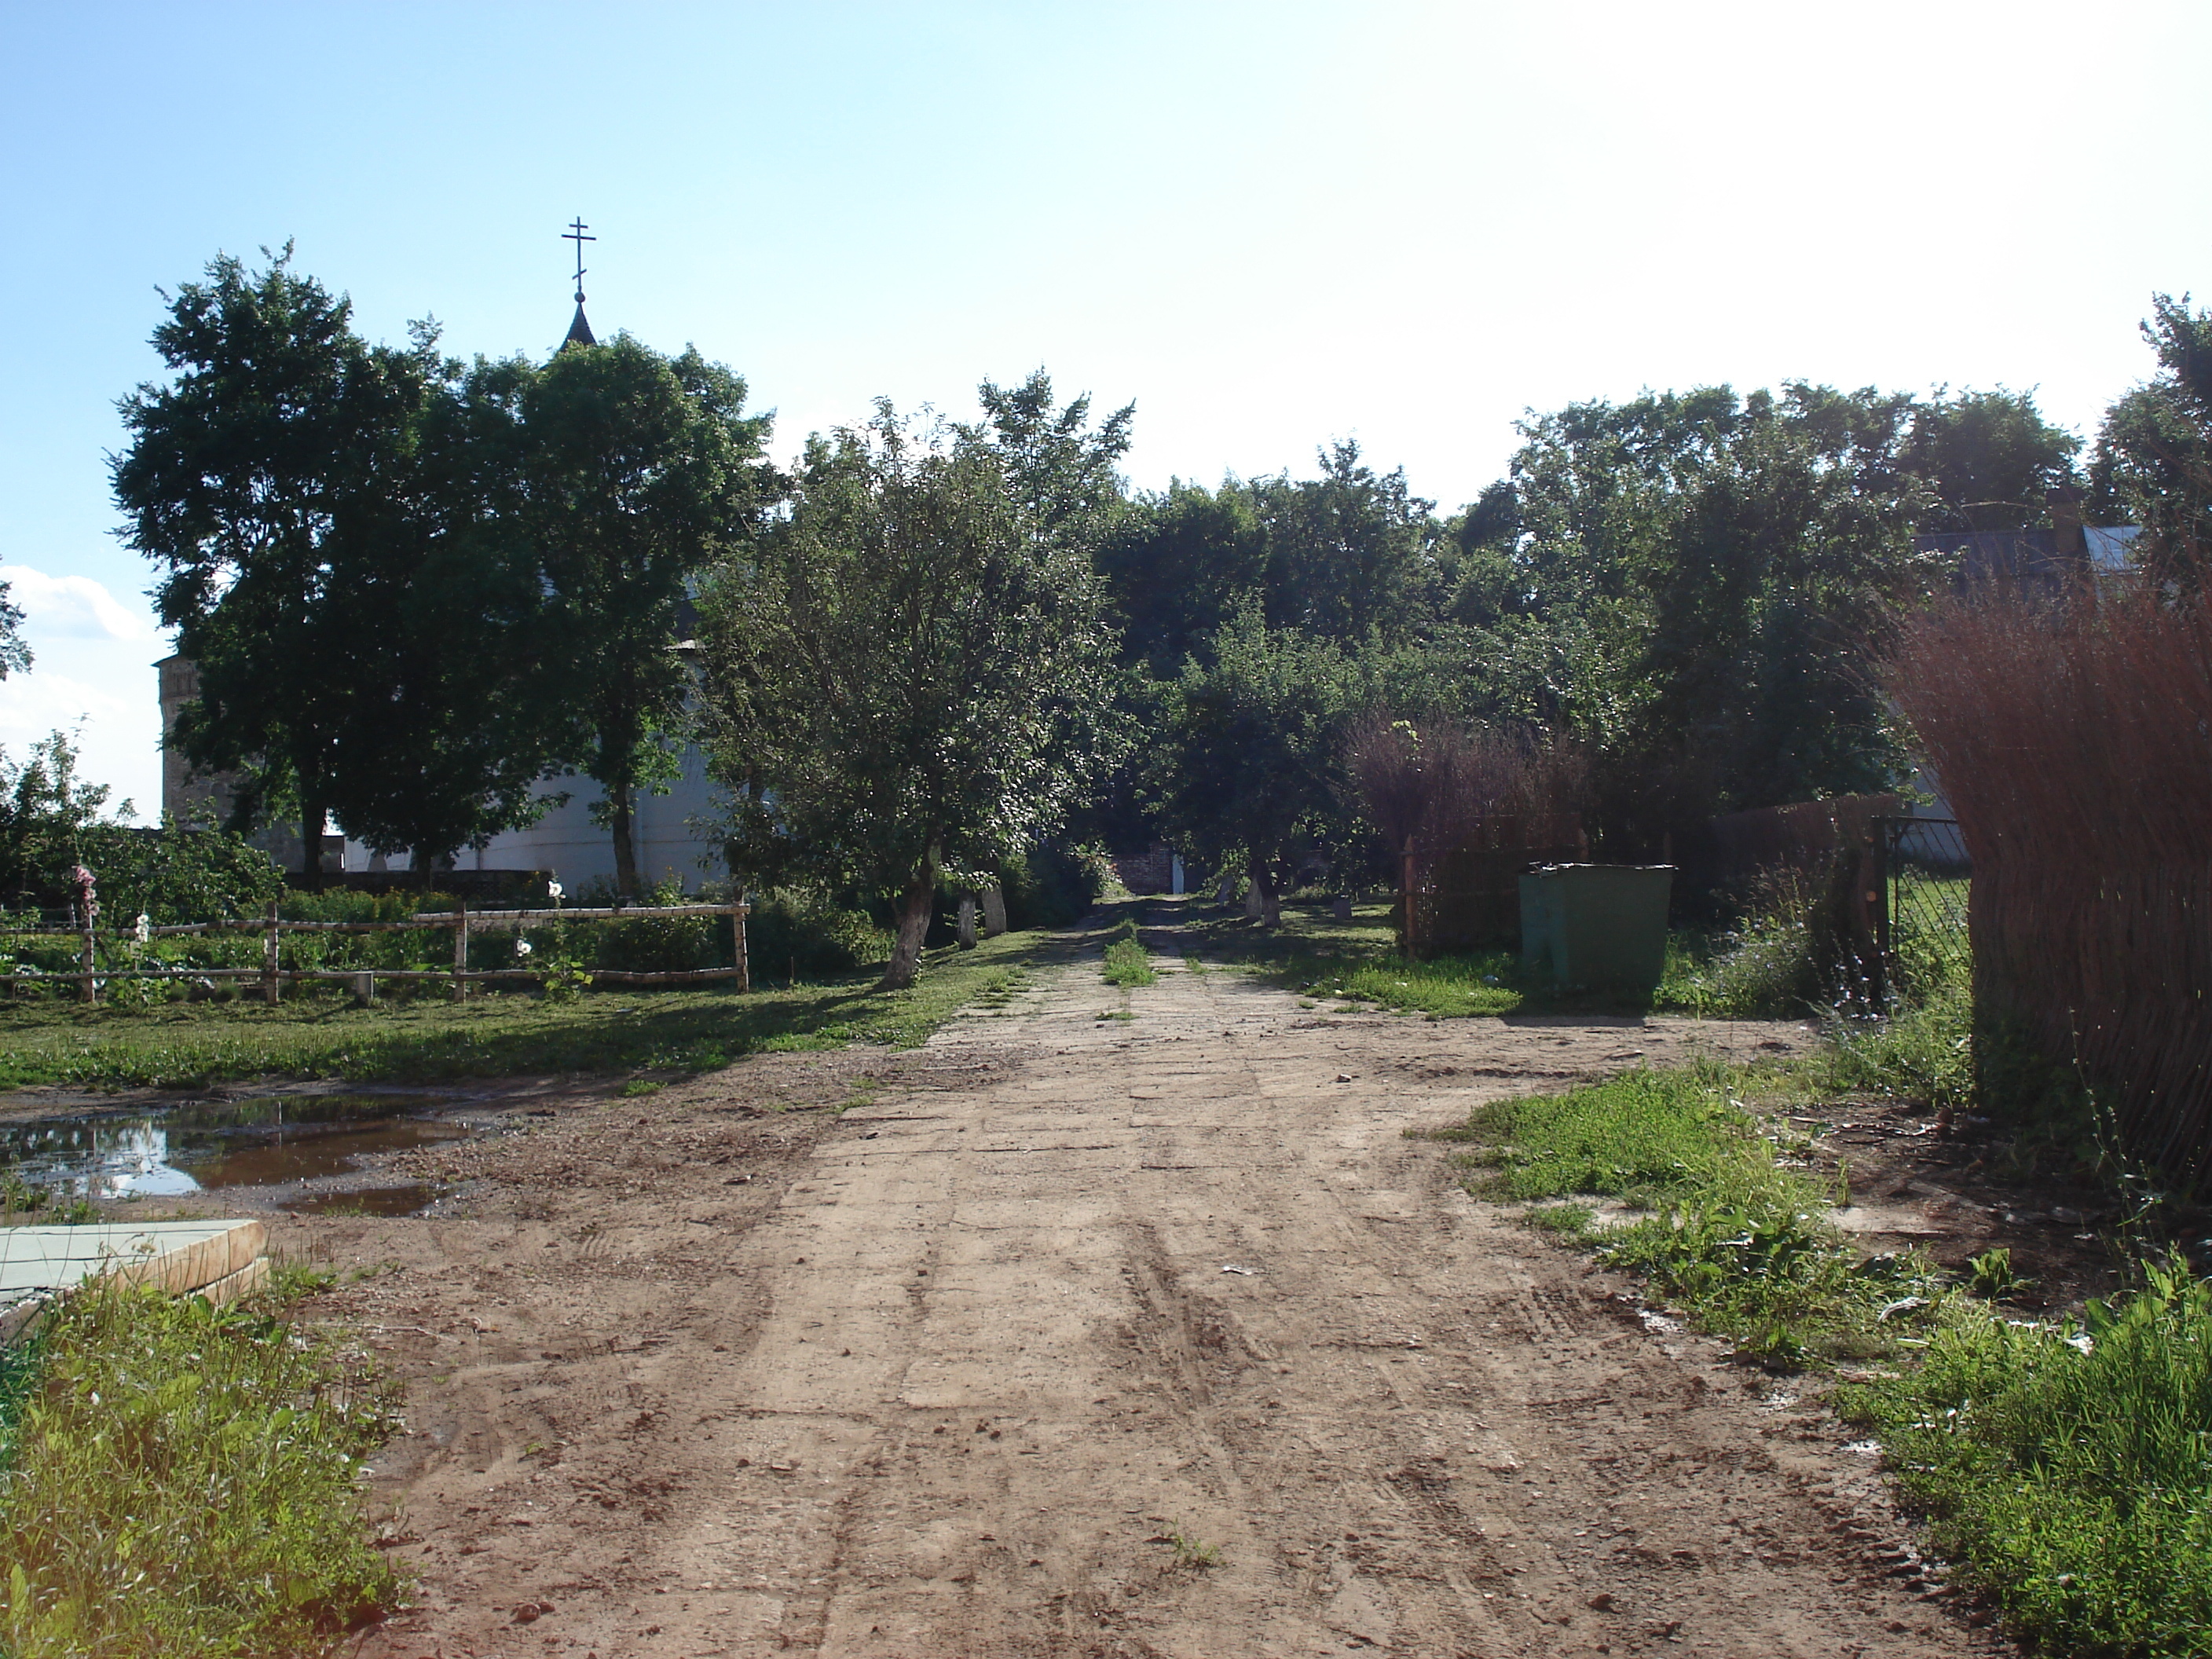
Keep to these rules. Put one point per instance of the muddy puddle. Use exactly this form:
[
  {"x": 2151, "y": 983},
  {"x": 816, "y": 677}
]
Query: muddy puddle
[{"x": 306, "y": 1152}]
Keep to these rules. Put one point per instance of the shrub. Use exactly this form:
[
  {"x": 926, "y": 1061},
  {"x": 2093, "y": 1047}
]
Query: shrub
[{"x": 801, "y": 935}]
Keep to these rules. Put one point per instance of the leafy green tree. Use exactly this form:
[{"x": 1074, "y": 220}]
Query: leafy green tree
[
  {"x": 262, "y": 482},
  {"x": 1247, "y": 762},
  {"x": 2153, "y": 465},
  {"x": 637, "y": 470},
  {"x": 1988, "y": 460},
  {"x": 464, "y": 699},
  {"x": 912, "y": 672},
  {"x": 15, "y": 655},
  {"x": 1059, "y": 468},
  {"x": 1350, "y": 553},
  {"x": 1694, "y": 583},
  {"x": 1179, "y": 564},
  {"x": 51, "y": 821}
]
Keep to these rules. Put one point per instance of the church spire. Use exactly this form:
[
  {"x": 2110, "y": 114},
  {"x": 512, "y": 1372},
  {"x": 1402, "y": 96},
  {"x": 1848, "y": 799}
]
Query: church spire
[{"x": 580, "y": 331}]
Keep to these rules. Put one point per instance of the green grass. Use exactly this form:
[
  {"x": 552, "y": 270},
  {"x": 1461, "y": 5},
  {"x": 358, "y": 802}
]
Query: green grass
[
  {"x": 1730, "y": 1234},
  {"x": 184, "y": 1482},
  {"x": 428, "y": 1039},
  {"x": 2073, "y": 1486},
  {"x": 1127, "y": 965},
  {"x": 2066, "y": 1472}
]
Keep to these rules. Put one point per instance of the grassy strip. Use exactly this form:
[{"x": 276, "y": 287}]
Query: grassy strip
[
  {"x": 1126, "y": 963},
  {"x": 1731, "y": 1235},
  {"x": 2065, "y": 1471},
  {"x": 184, "y": 1483},
  {"x": 1358, "y": 963},
  {"x": 427, "y": 1039}
]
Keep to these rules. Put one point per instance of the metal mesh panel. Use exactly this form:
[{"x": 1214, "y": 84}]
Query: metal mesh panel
[{"x": 1926, "y": 878}]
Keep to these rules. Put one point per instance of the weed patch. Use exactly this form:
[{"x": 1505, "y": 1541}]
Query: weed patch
[
  {"x": 2065, "y": 1471},
  {"x": 1730, "y": 1234},
  {"x": 1128, "y": 965},
  {"x": 184, "y": 1482}
]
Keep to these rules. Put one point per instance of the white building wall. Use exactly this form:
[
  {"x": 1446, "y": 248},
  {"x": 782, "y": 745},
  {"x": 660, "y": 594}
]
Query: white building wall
[{"x": 567, "y": 845}]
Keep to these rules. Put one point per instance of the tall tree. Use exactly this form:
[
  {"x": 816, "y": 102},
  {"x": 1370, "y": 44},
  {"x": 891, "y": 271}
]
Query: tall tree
[
  {"x": 914, "y": 669},
  {"x": 15, "y": 655},
  {"x": 1248, "y": 760},
  {"x": 1988, "y": 460},
  {"x": 259, "y": 481},
  {"x": 2154, "y": 458},
  {"x": 1349, "y": 552},
  {"x": 463, "y": 696},
  {"x": 637, "y": 470}
]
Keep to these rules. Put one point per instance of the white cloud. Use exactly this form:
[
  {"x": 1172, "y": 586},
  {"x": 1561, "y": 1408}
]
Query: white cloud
[
  {"x": 73, "y": 608},
  {"x": 92, "y": 676}
]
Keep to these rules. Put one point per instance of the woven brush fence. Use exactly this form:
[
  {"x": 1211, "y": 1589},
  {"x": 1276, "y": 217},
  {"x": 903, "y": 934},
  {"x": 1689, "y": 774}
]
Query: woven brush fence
[
  {"x": 1468, "y": 810},
  {"x": 1805, "y": 836},
  {"x": 2074, "y": 740}
]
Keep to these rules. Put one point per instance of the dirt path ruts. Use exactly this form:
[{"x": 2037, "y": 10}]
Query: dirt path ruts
[{"x": 947, "y": 1376}]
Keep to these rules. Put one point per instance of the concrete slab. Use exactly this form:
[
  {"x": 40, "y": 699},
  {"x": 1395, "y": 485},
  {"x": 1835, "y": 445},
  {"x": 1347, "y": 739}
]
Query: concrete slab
[{"x": 220, "y": 1260}]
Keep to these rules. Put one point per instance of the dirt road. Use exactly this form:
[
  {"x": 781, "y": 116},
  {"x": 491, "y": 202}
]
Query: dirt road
[{"x": 1084, "y": 1336}]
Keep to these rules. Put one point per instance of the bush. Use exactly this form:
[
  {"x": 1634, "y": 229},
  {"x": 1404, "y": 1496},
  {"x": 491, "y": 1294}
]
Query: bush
[
  {"x": 659, "y": 944},
  {"x": 793, "y": 934},
  {"x": 178, "y": 874},
  {"x": 1052, "y": 887}
]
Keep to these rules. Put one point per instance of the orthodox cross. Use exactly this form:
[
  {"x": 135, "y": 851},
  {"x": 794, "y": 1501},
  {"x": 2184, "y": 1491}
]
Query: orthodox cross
[{"x": 575, "y": 234}]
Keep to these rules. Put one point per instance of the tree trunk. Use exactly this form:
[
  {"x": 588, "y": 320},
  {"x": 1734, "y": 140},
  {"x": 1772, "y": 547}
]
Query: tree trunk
[
  {"x": 625, "y": 847},
  {"x": 967, "y": 921},
  {"x": 915, "y": 909},
  {"x": 312, "y": 820},
  {"x": 994, "y": 911},
  {"x": 1263, "y": 879}
]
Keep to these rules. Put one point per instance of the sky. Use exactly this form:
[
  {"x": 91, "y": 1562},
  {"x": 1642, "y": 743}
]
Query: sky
[{"x": 1272, "y": 226}]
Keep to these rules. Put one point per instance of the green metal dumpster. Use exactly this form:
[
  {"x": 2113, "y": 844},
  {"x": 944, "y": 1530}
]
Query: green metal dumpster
[{"x": 1599, "y": 926}]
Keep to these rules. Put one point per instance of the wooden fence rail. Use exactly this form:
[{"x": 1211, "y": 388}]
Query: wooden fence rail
[{"x": 273, "y": 974}]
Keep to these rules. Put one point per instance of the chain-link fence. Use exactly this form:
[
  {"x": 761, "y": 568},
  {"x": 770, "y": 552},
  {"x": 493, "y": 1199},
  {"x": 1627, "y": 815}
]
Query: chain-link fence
[{"x": 1920, "y": 915}]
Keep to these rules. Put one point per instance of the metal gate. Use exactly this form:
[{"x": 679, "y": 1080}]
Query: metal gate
[{"x": 1924, "y": 875}]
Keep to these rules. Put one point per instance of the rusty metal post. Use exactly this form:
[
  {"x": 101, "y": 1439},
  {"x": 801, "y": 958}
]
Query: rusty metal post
[
  {"x": 1878, "y": 901},
  {"x": 272, "y": 959}
]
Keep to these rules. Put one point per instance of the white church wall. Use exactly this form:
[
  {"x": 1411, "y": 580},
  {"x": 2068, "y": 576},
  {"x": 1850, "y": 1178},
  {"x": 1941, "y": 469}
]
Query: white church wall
[{"x": 575, "y": 852}]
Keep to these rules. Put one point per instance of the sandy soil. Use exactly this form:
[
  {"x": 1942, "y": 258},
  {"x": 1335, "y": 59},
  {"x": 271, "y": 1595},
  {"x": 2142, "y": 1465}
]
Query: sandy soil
[{"x": 950, "y": 1373}]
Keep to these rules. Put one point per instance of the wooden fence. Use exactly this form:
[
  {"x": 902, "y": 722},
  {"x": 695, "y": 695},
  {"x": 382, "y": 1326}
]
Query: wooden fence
[{"x": 272, "y": 974}]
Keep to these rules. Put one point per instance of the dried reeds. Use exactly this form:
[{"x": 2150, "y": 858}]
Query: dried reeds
[
  {"x": 1468, "y": 807},
  {"x": 2073, "y": 737}
]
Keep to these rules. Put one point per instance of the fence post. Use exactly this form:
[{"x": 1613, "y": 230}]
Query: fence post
[
  {"x": 272, "y": 959},
  {"x": 460, "y": 948},
  {"x": 1880, "y": 905},
  {"x": 88, "y": 907},
  {"x": 1407, "y": 883},
  {"x": 737, "y": 915}
]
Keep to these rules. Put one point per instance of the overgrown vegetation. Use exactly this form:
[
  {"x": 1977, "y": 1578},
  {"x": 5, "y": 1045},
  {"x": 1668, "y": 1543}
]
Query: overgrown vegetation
[
  {"x": 2061, "y": 1464},
  {"x": 2064, "y": 1470},
  {"x": 1726, "y": 1232},
  {"x": 184, "y": 1484}
]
